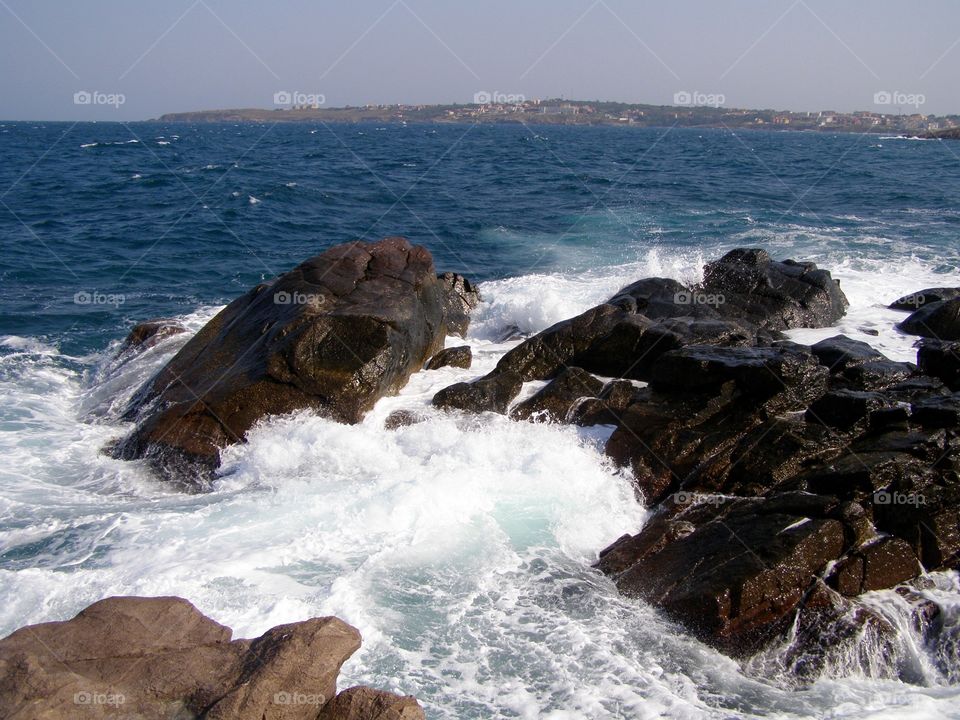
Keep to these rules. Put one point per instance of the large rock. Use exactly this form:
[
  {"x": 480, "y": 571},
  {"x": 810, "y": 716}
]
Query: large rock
[
  {"x": 773, "y": 295},
  {"x": 941, "y": 360},
  {"x": 735, "y": 578},
  {"x": 460, "y": 357},
  {"x": 460, "y": 297},
  {"x": 491, "y": 393},
  {"x": 160, "y": 658},
  {"x": 939, "y": 320},
  {"x": 334, "y": 335}
]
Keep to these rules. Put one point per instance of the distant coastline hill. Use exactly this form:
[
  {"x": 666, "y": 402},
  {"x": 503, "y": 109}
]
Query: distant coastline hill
[{"x": 583, "y": 112}]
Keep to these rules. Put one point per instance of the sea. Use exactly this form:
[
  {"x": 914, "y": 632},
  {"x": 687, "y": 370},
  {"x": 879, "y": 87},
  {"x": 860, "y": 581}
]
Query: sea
[{"x": 462, "y": 546}]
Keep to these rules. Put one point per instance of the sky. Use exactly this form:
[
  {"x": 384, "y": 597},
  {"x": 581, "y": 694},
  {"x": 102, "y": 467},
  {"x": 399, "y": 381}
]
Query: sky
[{"x": 135, "y": 60}]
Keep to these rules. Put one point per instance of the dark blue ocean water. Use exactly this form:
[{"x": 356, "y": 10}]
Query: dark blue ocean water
[{"x": 169, "y": 216}]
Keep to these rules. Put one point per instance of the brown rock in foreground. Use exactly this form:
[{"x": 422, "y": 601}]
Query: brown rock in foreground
[
  {"x": 160, "y": 658},
  {"x": 335, "y": 334}
]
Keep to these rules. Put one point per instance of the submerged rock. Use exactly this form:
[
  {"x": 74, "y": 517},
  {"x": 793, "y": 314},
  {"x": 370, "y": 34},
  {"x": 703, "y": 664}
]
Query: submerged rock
[
  {"x": 334, "y": 335},
  {"x": 145, "y": 335},
  {"x": 159, "y": 658},
  {"x": 460, "y": 357}
]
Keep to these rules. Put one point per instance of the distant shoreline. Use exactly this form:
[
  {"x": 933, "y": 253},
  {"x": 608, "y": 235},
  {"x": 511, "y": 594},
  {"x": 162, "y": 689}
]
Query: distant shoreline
[{"x": 583, "y": 113}]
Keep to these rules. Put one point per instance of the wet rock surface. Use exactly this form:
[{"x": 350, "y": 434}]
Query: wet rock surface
[{"x": 334, "y": 335}]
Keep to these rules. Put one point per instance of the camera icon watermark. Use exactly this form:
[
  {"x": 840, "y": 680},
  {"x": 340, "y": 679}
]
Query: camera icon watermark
[
  {"x": 99, "y": 698},
  {"x": 693, "y": 297},
  {"x": 95, "y": 297},
  {"x": 95, "y": 97},
  {"x": 885, "y": 497},
  {"x": 298, "y": 298},
  {"x": 298, "y": 99},
  {"x": 897, "y": 98},
  {"x": 684, "y": 497},
  {"x": 496, "y": 97},
  {"x": 696, "y": 98},
  {"x": 298, "y": 698}
]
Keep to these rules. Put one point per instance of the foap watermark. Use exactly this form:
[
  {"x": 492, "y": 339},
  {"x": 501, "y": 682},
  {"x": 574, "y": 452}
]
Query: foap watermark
[
  {"x": 885, "y": 497},
  {"x": 99, "y": 698},
  {"x": 95, "y": 297},
  {"x": 483, "y": 97},
  {"x": 690, "y": 498},
  {"x": 696, "y": 98},
  {"x": 915, "y": 300},
  {"x": 694, "y": 297},
  {"x": 95, "y": 97},
  {"x": 299, "y": 698},
  {"x": 897, "y": 98},
  {"x": 298, "y": 99},
  {"x": 297, "y": 298}
]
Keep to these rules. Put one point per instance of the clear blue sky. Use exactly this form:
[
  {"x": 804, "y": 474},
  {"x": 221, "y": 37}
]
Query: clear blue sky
[{"x": 204, "y": 54}]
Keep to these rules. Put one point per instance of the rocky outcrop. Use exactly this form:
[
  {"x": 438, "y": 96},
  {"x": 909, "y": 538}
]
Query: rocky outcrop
[
  {"x": 745, "y": 298},
  {"x": 785, "y": 480},
  {"x": 161, "y": 658},
  {"x": 334, "y": 335}
]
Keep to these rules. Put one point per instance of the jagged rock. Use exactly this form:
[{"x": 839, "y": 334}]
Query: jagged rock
[
  {"x": 363, "y": 703},
  {"x": 491, "y": 393},
  {"x": 147, "y": 334},
  {"x": 919, "y": 299},
  {"x": 774, "y": 295},
  {"x": 160, "y": 658},
  {"x": 460, "y": 297},
  {"x": 334, "y": 335},
  {"x": 737, "y": 578},
  {"x": 939, "y": 320},
  {"x": 882, "y": 564},
  {"x": 460, "y": 357},
  {"x": 942, "y": 360},
  {"x": 554, "y": 401}
]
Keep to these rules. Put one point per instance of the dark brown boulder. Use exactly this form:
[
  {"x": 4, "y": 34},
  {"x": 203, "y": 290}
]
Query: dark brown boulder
[
  {"x": 158, "y": 658},
  {"x": 939, "y": 320},
  {"x": 553, "y": 402},
  {"x": 491, "y": 393},
  {"x": 334, "y": 335},
  {"x": 460, "y": 357},
  {"x": 839, "y": 352},
  {"x": 605, "y": 409},
  {"x": 363, "y": 703},
  {"x": 737, "y": 579}
]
